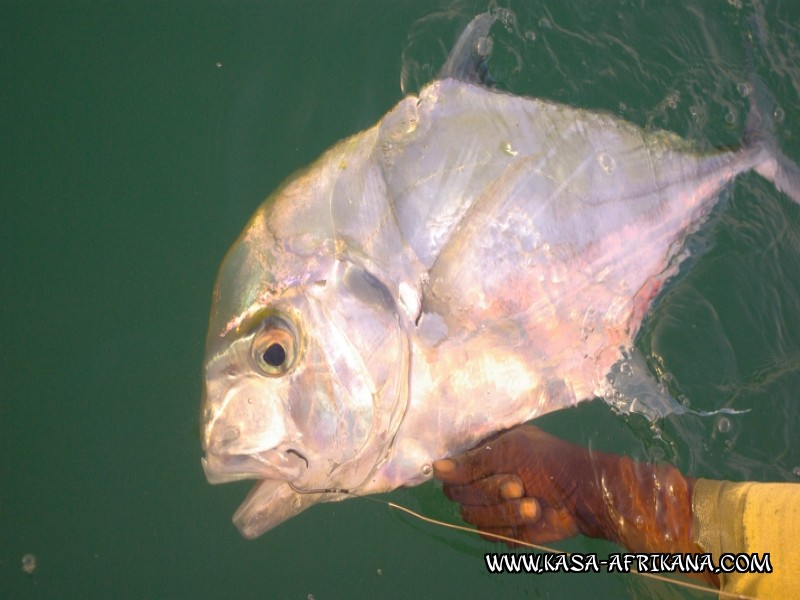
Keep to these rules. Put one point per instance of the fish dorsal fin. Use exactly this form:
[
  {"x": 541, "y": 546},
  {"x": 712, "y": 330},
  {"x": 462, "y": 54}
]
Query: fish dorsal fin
[{"x": 467, "y": 60}]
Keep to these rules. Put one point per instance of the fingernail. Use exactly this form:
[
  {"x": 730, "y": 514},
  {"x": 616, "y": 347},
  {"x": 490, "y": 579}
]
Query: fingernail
[
  {"x": 445, "y": 466},
  {"x": 529, "y": 509},
  {"x": 511, "y": 490}
]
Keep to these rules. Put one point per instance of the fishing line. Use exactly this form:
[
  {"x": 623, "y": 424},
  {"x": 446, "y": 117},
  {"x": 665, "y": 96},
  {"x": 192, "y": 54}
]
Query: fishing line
[{"x": 503, "y": 538}]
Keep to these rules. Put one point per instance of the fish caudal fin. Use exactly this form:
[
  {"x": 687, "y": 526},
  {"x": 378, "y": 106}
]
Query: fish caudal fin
[
  {"x": 771, "y": 163},
  {"x": 780, "y": 170}
]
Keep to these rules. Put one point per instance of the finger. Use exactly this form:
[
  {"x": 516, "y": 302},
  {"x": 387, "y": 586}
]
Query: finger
[
  {"x": 469, "y": 466},
  {"x": 489, "y": 490},
  {"x": 549, "y": 528},
  {"x": 445, "y": 469},
  {"x": 509, "y": 513},
  {"x": 552, "y": 526}
]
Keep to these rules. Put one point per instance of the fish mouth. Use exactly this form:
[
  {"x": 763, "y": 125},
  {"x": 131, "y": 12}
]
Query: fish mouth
[
  {"x": 271, "y": 502},
  {"x": 277, "y": 464},
  {"x": 274, "y": 498}
]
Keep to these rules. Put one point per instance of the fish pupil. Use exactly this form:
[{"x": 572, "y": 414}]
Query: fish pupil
[{"x": 275, "y": 355}]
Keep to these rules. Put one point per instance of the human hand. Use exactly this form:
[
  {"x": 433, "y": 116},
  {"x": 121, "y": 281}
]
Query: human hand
[
  {"x": 529, "y": 485},
  {"x": 524, "y": 484}
]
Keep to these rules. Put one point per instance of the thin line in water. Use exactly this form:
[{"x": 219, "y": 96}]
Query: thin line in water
[{"x": 503, "y": 538}]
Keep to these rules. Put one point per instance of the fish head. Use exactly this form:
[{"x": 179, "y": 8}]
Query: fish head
[{"x": 306, "y": 365}]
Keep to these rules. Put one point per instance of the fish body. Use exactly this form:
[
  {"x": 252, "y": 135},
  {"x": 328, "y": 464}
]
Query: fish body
[{"x": 474, "y": 260}]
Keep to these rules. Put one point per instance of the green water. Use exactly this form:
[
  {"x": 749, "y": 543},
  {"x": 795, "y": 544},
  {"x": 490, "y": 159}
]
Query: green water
[{"x": 139, "y": 137}]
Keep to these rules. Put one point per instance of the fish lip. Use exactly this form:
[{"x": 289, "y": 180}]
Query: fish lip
[
  {"x": 276, "y": 465},
  {"x": 271, "y": 502}
]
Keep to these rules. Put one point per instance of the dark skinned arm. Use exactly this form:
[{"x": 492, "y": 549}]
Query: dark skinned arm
[{"x": 530, "y": 485}]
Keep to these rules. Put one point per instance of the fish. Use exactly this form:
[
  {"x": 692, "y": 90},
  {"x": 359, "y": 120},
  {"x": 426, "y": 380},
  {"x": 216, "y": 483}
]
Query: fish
[{"x": 474, "y": 260}]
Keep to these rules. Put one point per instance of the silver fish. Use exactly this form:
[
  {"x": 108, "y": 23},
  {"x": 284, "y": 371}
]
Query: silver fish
[{"x": 474, "y": 260}]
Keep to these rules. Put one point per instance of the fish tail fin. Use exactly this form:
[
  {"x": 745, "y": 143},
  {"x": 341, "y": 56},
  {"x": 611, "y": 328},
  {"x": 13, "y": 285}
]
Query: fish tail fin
[
  {"x": 770, "y": 162},
  {"x": 780, "y": 170},
  {"x": 775, "y": 166}
]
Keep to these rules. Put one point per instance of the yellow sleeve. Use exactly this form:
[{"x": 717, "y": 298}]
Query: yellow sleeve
[{"x": 751, "y": 518}]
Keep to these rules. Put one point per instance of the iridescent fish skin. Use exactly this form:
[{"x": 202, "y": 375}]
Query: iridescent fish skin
[{"x": 474, "y": 260}]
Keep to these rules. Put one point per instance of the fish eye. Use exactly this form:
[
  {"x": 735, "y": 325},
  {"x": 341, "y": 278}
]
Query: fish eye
[
  {"x": 274, "y": 346},
  {"x": 275, "y": 355}
]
